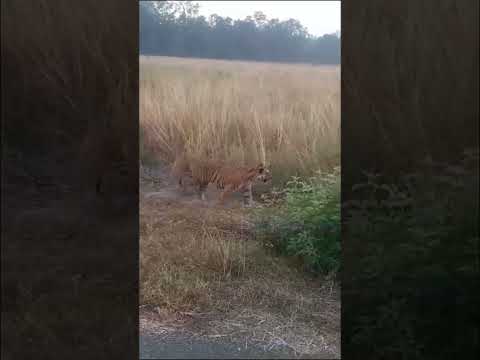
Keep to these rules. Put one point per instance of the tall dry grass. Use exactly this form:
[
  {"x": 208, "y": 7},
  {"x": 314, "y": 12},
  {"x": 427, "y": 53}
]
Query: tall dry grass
[
  {"x": 67, "y": 85},
  {"x": 287, "y": 116},
  {"x": 409, "y": 94}
]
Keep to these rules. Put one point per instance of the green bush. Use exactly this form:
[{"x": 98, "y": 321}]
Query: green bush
[
  {"x": 306, "y": 225},
  {"x": 412, "y": 254}
]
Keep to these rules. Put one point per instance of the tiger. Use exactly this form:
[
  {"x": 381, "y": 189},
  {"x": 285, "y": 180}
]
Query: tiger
[{"x": 228, "y": 178}]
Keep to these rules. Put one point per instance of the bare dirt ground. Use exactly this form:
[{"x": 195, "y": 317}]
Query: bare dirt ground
[{"x": 223, "y": 296}]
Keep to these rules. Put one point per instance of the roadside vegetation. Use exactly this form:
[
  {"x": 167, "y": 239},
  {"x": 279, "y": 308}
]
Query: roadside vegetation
[{"x": 266, "y": 274}]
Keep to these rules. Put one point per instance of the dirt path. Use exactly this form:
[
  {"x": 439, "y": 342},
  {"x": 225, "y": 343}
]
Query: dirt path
[
  {"x": 173, "y": 337},
  {"x": 257, "y": 333},
  {"x": 176, "y": 337},
  {"x": 181, "y": 346}
]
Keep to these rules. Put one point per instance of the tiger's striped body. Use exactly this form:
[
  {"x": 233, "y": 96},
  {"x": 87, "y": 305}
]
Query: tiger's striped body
[
  {"x": 204, "y": 172},
  {"x": 231, "y": 179},
  {"x": 226, "y": 178}
]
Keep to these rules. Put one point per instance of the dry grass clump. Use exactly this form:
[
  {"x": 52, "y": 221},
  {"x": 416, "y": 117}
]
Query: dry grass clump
[
  {"x": 285, "y": 115},
  {"x": 182, "y": 252}
]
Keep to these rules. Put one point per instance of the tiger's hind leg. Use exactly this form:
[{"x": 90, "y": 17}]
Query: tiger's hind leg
[{"x": 181, "y": 184}]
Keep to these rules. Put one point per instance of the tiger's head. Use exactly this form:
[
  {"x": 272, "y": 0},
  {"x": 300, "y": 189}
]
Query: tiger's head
[{"x": 263, "y": 174}]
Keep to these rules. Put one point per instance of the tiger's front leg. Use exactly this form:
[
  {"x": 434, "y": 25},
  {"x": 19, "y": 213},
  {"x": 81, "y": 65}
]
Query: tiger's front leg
[
  {"x": 248, "y": 196},
  {"x": 201, "y": 191},
  {"x": 227, "y": 190}
]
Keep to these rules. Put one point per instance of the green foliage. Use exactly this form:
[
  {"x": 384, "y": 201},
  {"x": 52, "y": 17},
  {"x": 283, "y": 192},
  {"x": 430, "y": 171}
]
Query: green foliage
[
  {"x": 410, "y": 243},
  {"x": 307, "y": 223},
  {"x": 427, "y": 210}
]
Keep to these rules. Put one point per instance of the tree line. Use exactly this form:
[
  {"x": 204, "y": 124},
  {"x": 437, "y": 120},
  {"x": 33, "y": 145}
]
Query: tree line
[{"x": 174, "y": 28}]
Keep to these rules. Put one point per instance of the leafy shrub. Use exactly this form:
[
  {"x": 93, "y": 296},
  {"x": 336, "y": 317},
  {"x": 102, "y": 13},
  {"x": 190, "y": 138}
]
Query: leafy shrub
[
  {"x": 412, "y": 254},
  {"x": 306, "y": 225}
]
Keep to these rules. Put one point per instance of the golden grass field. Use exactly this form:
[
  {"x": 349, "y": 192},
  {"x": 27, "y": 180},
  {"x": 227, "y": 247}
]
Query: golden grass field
[
  {"x": 287, "y": 116},
  {"x": 206, "y": 261}
]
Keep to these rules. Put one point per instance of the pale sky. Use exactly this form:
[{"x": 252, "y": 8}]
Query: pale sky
[{"x": 319, "y": 17}]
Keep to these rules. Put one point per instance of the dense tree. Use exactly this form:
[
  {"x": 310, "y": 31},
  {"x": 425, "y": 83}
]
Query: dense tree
[{"x": 174, "y": 28}]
